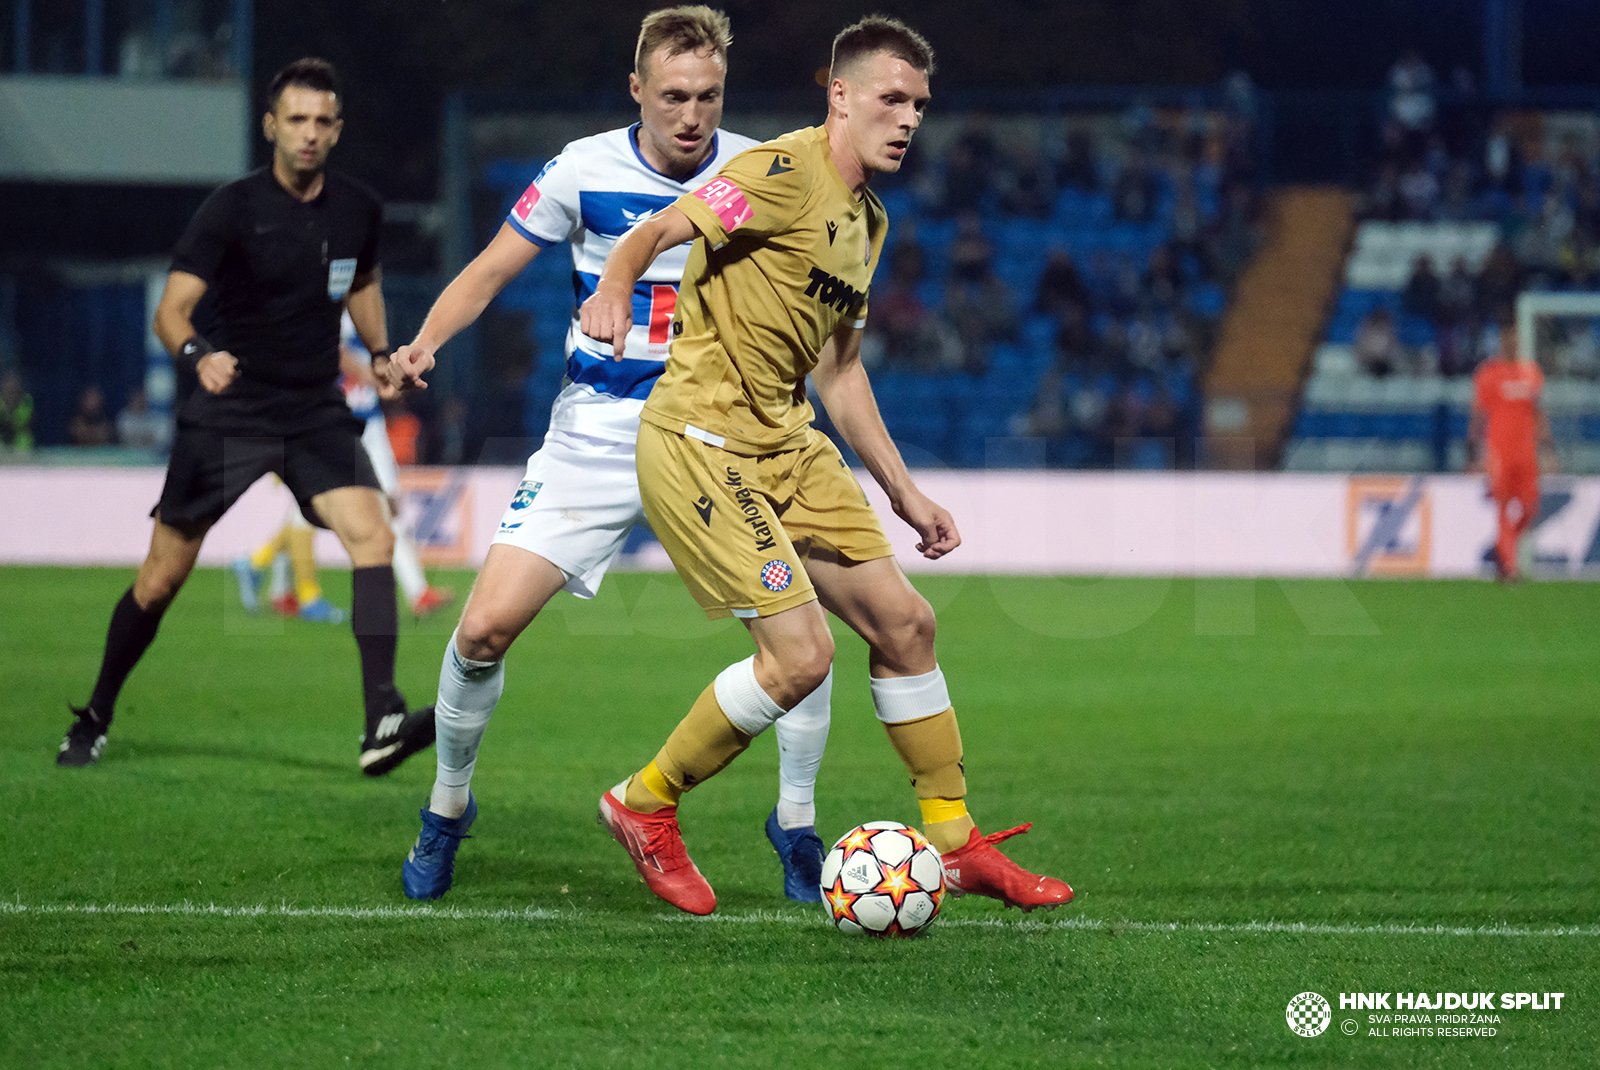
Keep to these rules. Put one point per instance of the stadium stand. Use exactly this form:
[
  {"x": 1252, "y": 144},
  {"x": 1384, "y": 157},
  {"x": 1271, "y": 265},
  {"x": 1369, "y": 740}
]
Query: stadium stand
[{"x": 1462, "y": 214}]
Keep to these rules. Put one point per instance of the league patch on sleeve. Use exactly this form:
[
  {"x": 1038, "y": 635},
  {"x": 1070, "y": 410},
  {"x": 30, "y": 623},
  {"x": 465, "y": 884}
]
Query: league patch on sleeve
[
  {"x": 726, "y": 200},
  {"x": 525, "y": 203}
]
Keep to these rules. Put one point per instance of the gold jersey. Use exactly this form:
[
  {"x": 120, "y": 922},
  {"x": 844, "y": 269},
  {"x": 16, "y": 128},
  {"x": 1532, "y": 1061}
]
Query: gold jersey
[{"x": 785, "y": 255}]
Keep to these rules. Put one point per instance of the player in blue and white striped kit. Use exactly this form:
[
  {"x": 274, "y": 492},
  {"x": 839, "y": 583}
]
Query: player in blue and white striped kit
[{"x": 580, "y": 495}]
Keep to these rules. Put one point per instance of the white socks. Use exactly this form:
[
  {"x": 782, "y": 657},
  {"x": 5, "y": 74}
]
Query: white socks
[
  {"x": 468, "y": 692},
  {"x": 802, "y": 735},
  {"x": 407, "y": 569}
]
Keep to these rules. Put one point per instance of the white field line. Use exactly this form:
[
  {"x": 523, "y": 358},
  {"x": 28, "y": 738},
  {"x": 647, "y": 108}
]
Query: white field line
[{"x": 1072, "y": 923}]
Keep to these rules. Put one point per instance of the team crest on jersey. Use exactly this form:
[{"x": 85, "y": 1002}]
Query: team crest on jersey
[
  {"x": 526, "y": 492},
  {"x": 776, "y": 575},
  {"x": 341, "y": 273}
]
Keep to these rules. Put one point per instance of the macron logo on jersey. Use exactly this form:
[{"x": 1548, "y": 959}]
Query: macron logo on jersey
[{"x": 726, "y": 201}]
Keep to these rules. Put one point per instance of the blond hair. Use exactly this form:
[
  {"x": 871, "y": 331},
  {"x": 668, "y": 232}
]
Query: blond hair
[
  {"x": 679, "y": 30},
  {"x": 880, "y": 33}
]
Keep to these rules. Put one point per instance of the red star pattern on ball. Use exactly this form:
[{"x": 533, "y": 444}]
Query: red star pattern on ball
[
  {"x": 897, "y": 883},
  {"x": 859, "y": 840},
  {"x": 840, "y": 901}
]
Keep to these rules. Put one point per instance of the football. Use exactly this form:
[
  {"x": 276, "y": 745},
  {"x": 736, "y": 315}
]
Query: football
[{"x": 882, "y": 879}]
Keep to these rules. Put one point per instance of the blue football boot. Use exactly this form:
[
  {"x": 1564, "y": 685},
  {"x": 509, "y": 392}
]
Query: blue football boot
[
  {"x": 800, "y": 851},
  {"x": 321, "y": 611},
  {"x": 431, "y": 865}
]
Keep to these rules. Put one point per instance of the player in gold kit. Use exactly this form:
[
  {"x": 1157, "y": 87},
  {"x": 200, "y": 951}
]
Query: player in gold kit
[{"x": 757, "y": 509}]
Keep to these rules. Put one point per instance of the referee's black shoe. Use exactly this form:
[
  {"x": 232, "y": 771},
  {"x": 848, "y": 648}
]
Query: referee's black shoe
[
  {"x": 85, "y": 739},
  {"x": 393, "y": 735}
]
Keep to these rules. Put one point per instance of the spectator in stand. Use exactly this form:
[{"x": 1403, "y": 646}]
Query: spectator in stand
[
  {"x": 1421, "y": 295},
  {"x": 1146, "y": 340},
  {"x": 1233, "y": 240},
  {"x": 1457, "y": 325},
  {"x": 1377, "y": 346},
  {"x": 16, "y": 414},
  {"x": 1188, "y": 226},
  {"x": 1026, "y": 185},
  {"x": 968, "y": 167},
  {"x": 1127, "y": 286},
  {"x": 908, "y": 260},
  {"x": 1076, "y": 347},
  {"x": 1586, "y": 211},
  {"x": 1456, "y": 201},
  {"x": 1502, "y": 161},
  {"x": 1419, "y": 192},
  {"x": 1458, "y": 292},
  {"x": 89, "y": 425},
  {"x": 1411, "y": 95},
  {"x": 1062, "y": 292},
  {"x": 1383, "y": 201},
  {"x": 1047, "y": 416},
  {"x": 1163, "y": 282},
  {"x": 1134, "y": 196},
  {"x": 1499, "y": 282},
  {"x": 903, "y": 331},
  {"x": 971, "y": 254},
  {"x": 1580, "y": 261},
  {"x": 1111, "y": 354},
  {"x": 1075, "y": 165},
  {"x": 983, "y": 312},
  {"x": 140, "y": 428}
]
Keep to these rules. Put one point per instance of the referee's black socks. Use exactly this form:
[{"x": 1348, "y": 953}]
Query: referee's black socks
[
  {"x": 129, "y": 636},
  {"x": 375, "y": 618}
]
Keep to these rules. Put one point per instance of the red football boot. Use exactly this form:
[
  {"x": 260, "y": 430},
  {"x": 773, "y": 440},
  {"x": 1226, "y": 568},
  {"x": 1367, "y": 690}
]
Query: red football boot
[
  {"x": 655, "y": 844},
  {"x": 432, "y": 599},
  {"x": 978, "y": 868}
]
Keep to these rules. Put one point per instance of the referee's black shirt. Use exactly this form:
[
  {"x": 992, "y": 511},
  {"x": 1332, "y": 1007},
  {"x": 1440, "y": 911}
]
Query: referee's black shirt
[{"x": 279, "y": 269}]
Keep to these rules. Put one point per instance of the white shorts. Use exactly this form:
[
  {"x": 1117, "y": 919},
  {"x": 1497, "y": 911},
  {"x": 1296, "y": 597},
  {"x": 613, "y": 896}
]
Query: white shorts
[{"x": 574, "y": 508}]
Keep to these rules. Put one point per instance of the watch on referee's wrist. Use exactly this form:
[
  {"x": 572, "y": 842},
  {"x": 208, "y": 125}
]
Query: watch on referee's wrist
[{"x": 195, "y": 350}]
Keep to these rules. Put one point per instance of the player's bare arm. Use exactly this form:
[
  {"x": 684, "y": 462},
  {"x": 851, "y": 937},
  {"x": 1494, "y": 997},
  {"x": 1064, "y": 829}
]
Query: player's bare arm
[
  {"x": 846, "y": 393},
  {"x": 607, "y": 315},
  {"x": 174, "y": 325},
  {"x": 365, "y": 305},
  {"x": 461, "y": 303}
]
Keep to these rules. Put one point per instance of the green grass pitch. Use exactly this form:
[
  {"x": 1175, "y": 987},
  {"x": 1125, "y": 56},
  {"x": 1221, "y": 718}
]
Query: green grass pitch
[{"x": 1257, "y": 789}]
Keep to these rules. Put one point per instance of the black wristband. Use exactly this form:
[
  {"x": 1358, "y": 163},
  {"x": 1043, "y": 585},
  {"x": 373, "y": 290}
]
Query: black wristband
[
  {"x": 384, "y": 353},
  {"x": 195, "y": 350}
]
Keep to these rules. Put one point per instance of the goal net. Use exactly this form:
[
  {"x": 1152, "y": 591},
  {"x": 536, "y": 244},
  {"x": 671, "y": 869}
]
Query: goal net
[{"x": 1562, "y": 332}]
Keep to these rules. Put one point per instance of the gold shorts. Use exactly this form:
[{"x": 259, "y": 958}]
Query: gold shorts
[{"x": 739, "y": 529}]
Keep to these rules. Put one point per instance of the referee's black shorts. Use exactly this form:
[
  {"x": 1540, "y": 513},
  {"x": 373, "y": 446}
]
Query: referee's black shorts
[{"x": 211, "y": 469}]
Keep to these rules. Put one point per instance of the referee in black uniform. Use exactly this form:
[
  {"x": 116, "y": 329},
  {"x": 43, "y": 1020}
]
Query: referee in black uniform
[{"x": 287, "y": 249}]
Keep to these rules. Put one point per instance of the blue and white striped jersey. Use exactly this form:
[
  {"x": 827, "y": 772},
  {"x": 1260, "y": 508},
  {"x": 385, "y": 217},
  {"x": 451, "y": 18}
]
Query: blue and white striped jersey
[
  {"x": 590, "y": 195},
  {"x": 362, "y": 399}
]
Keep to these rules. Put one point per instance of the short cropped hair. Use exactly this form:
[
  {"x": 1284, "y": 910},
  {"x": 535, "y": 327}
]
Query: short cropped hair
[
  {"x": 308, "y": 73},
  {"x": 680, "y": 30},
  {"x": 880, "y": 33}
]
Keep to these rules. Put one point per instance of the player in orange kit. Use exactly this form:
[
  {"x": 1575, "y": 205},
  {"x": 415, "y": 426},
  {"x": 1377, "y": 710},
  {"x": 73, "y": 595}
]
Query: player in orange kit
[{"x": 1509, "y": 427}]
